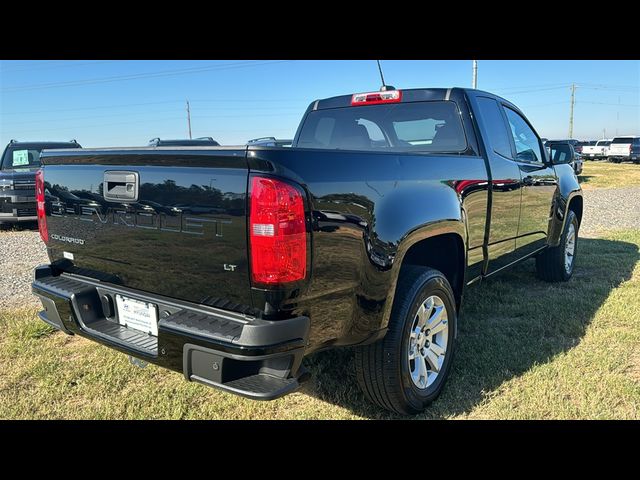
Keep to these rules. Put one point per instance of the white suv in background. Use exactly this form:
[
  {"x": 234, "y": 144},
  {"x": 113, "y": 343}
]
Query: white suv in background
[{"x": 625, "y": 148}]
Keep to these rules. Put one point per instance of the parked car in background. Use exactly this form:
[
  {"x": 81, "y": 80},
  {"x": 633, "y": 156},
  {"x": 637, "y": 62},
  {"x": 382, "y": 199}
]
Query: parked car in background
[
  {"x": 18, "y": 166},
  {"x": 270, "y": 142},
  {"x": 580, "y": 146},
  {"x": 186, "y": 142},
  {"x": 625, "y": 148},
  {"x": 599, "y": 149},
  {"x": 365, "y": 233},
  {"x": 562, "y": 150}
]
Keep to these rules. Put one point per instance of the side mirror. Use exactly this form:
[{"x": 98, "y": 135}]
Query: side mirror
[{"x": 561, "y": 154}]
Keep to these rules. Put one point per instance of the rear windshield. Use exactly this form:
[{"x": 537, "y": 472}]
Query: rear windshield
[
  {"x": 415, "y": 127},
  {"x": 604, "y": 143},
  {"x": 622, "y": 140},
  {"x": 20, "y": 158}
]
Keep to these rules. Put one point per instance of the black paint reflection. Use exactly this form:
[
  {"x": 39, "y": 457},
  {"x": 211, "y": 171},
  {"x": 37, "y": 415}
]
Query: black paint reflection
[{"x": 175, "y": 240}]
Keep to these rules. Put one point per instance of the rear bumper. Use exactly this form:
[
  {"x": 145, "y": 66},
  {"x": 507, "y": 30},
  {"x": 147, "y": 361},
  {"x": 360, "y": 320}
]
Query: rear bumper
[{"x": 247, "y": 356}]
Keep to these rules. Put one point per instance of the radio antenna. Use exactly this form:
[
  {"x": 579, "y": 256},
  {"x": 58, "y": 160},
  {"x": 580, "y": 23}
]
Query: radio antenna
[
  {"x": 384, "y": 87},
  {"x": 381, "y": 75}
]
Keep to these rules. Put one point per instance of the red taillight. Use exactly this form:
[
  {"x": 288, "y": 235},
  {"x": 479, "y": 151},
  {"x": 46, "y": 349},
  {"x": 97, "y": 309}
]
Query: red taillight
[
  {"x": 376, "y": 98},
  {"x": 277, "y": 232},
  {"x": 42, "y": 217}
]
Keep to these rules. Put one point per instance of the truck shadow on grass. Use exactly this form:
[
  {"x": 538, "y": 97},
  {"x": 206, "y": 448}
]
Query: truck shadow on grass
[
  {"x": 585, "y": 178},
  {"x": 507, "y": 325}
]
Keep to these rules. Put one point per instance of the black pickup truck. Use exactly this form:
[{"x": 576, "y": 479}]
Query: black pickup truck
[
  {"x": 230, "y": 264},
  {"x": 18, "y": 166}
]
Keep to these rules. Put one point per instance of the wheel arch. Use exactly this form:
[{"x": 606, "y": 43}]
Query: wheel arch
[
  {"x": 568, "y": 197},
  {"x": 576, "y": 205},
  {"x": 441, "y": 246}
]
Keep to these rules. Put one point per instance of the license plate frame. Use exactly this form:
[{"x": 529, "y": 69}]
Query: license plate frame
[{"x": 137, "y": 314}]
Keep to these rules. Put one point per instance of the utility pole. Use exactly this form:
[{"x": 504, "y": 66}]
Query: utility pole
[
  {"x": 189, "y": 119},
  {"x": 475, "y": 74},
  {"x": 573, "y": 101},
  {"x": 618, "y": 116}
]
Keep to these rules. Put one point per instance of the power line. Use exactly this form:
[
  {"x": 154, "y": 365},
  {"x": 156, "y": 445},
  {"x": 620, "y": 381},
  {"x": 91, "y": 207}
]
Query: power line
[
  {"x": 218, "y": 108},
  {"x": 58, "y": 120},
  {"x": 251, "y": 116},
  {"x": 615, "y": 104},
  {"x": 545, "y": 104},
  {"x": 542, "y": 85},
  {"x": 75, "y": 63},
  {"x": 178, "y": 71},
  {"x": 102, "y": 125},
  {"x": 298, "y": 113},
  {"x": 146, "y": 121},
  {"x": 596, "y": 86},
  {"x": 163, "y": 73},
  {"x": 89, "y": 108},
  {"x": 250, "y": 100},
  {"x": 535, "y": 90}
]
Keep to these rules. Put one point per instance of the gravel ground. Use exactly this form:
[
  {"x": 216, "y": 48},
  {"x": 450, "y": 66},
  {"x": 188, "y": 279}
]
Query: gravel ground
[
  {"x": 610, "y": 209},
  {"x": 22, "y": 250}
]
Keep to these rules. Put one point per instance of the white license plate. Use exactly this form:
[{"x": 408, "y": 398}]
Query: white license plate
[
  {"x": 592, "y": 154},
  {"x": 138, "y": 315}
]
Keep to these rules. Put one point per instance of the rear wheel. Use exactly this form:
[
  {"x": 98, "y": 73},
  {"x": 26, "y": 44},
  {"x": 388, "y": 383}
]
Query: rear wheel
[
  {"x": 555, "y": 264},
  {"x": 407, "y": 369}
]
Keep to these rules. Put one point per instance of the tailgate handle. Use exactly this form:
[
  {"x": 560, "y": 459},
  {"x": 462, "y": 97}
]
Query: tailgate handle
[{"x": 120, "y": 186}]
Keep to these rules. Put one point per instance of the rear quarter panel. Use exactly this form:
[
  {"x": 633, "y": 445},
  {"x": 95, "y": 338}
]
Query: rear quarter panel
[
  {"x": 568, "y": 189},
  {"x": 367, "y": 210}
]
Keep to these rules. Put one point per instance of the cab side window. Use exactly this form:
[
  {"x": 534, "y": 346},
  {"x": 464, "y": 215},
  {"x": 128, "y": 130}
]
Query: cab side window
[
  {"x": 495, "y": 126},
  {"x": 526, "y": 141}
]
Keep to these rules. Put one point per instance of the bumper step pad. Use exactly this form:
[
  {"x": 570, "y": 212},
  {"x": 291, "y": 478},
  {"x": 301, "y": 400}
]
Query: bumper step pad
[
  {"x": 139, "y": 340},
  {"x": 262, "y": 385},
  {"x": 200, "y": 324}
]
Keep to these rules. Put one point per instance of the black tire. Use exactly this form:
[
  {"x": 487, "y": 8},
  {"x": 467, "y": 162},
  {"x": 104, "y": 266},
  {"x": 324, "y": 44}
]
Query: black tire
[
  {"x": 383, "y": 368},
  {"x": 550, "y": 264}
]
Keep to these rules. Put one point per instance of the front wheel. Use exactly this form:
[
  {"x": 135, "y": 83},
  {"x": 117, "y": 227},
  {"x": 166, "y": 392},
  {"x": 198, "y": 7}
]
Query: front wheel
[
  {"x": 555, "y": 264},
  {"x": 407, "y": 369}
]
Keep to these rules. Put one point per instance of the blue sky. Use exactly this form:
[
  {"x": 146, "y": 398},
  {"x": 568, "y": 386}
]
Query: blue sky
[{"x": 126, "y": 103}]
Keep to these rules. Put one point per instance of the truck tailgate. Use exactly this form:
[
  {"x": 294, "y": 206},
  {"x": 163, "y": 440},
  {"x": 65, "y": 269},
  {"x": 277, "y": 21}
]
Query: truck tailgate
[
  {"x": 161, "y": 220},
  {"x": 619, "y": 148}
]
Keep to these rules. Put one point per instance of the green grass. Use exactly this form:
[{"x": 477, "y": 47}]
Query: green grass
[
  {"x": 609, "y": 175},
  {"x": 526, "y": 349}
]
